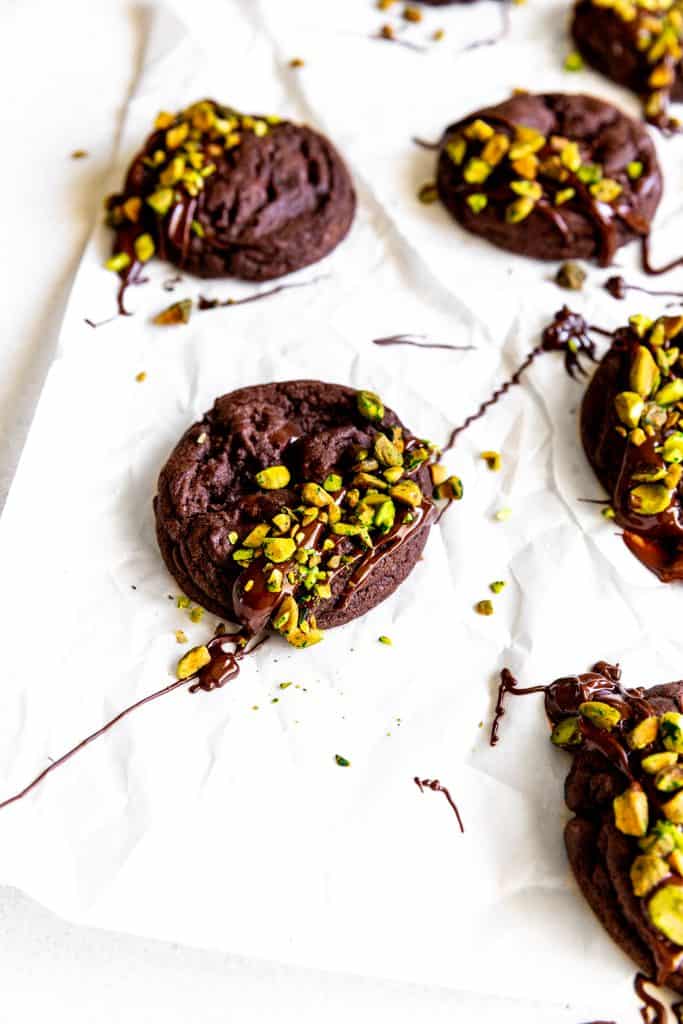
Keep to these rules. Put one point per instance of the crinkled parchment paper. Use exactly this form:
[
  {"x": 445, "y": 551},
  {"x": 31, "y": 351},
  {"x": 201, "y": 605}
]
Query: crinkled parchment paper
[{"x": 201, "y": 819}]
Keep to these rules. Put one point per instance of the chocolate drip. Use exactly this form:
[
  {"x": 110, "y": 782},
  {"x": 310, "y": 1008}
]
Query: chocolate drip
[
  {"x": 204, "y": 303},
  {"x": 423, "y": 144},
  {"x": 653, "y": 1011},
  {"x": 436, "y": 787},
  {"x": 220, "y": 669},
  {"x": 412, "y": 340},
  {"x": 390, "y": 37},
  {"x": 647, "y": 266},
  {"x": 508, "y": 684},
  {"x": 101, "y": 323},
  {"x": 567, "y": 333},
  {"x": 617, "y": 287}
]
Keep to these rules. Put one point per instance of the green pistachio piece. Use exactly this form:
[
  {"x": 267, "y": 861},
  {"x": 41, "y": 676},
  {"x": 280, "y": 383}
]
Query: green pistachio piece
[
  {"x": 314, "y": 494},
  {"x": 519, "y": 210},
  {"x": 161, "y": 200},
  {"x": 286, "y": 618},
  {"x": 347, "y": 529},
  {"x": 386, "y": 452},
  {"x": 118, "y": 262},
  {"x": 450, "y": 490},
  {"x": 672, "y": 450},
  {"x": 476, "y": 171},
  {"x": 456, "y": 149},
  {"x": 477, "y": 201},
  {"x": 370, "y": 406},
  {"x": 192, "y": 662},
  {"x": 670, "y": 393},
  {"x": 604, "y": 716},
  {"x": 273, "y": 478},
  {"x": 256, "y": 537},
  {"x": 333, "y": 482},
  {"x": 304, "y": 637},
  {"x": 282, "y": 522},
  {"x": 634, "y": 169},
  {"x": 666, "y": 912},
  {"x": 573, "y": 61},
  {"x": 274, "y": 582},
  {"x": 629, "y": 407},
  {"x": 663, "y": 839},
  {"x": 654, "y": 763},
  {"x": 607, "y": 190},
  {"x": 566, "y": 733},
  {"x": 673, "y": 809},
  {"x": 671, "y": 731},
  {"x": 393, "y": 474},
  {"x": 644, "y": 375},
  {"x": 631, "y": 811},
  {"x": 644, "y": 733},
  {"x": 670, "y": 780},
  {"x": 385, "y": 515},
  {"x": 279, "y": 549},
  {"x": 407, "y": 492},
  {"x": 650, "y": 499},
  {"x": 647, "y": 871}
]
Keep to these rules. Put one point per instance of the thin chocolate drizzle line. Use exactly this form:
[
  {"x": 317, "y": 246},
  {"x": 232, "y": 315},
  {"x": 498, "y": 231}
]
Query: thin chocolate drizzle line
[
  {"x": 207, "y": 679},
  {"x": 508, "y": 684},
  {"x": 423, "y": 144},
  {"x": 436, "y": 787},
  {"x": 204, "y": 303},
  {"x": 499, "y": 35},
  {"x": 411, "y": 339},
  {"x": 566, "y": 328},
  {"x": 401, "y": 42},
  {"x": 100, "y": 323},
  {"x": 653, "y": 1011},
  {"x": 645, "y": 257},
  {"x": 617, "y": 287},
  {"x": 169, "y": 284}
]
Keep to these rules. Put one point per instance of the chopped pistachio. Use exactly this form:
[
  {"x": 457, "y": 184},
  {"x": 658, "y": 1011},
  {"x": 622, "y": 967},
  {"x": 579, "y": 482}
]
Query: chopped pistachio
[
  {"x": 140, "y": 377},
  {"x": 177, "y": 313},
  {"x": 670, "y": 393},
  {"x": 193, "y": 661},
  {"x": 563, "y": 195},
  {"x": 181, "y": 636},
  {"x": 608, "y": 512},
  {"x": 385, "y": 640},
  {"x": 589, "y": 174},
  {"x": 279, "y": 549},
  {"x": 456, "y": 149},
  {"x": 647, "y": 871},
  {"x": 476, "y": 171},
  {"x": 497, "y": 586},
  {"x": 493, "y": 460},
  {"x": 673, "y": 809},
  {"x": 518, "y": 210},
  {"x": 118, "y": 262},
  {"x": 631, "y": 811},
  {"x": 571, "y": 276},
  {"x": 370, "y": 406},
  {"x": 567, "y": 732},
  {"x": 634, "y": 169},
  {"x": 386, "y": 452},
  {"x": 629, "y": 407},
  {"x": 671, "y": 731},
  {"x": 650, "y": 499},
  {"x": 197, "y": 614},
  {"x": 333, "y": 482},
  {"x": 573, "y": 61},
  {"x": 407, "y": 492},
  {"x": 643, "y": 734},
  {"x": 670, "y": 778},
  {"x": 273, "y": 478},
  {"x": 144, "y": 247},
  {"x": 479, "y": 130},
  {"x": 503, "y": 514},
  {"x": 672, "y": 450},
  {"x": 484, "y": 607},
  {"x": 343, "y": 762},
  {"x": 602, "y": 715},
  {"x": 477, "y": 202},
  {"x": 666, "y": 912},
  {"x": 183, "y": 602},
  {"x": 450, "y": 490},
  {"x": 428, "y": 193},
  {"x": 314, "y": 494},
  {"x": 161, "y": 200},
  {"x": 256, "y": 537}
]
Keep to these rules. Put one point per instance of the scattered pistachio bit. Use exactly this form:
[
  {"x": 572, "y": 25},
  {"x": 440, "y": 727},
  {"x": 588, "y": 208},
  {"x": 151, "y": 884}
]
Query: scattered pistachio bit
[
  {"x": 140, "y": 377},
  {"x": 177, "y": 313},
  {"x": 650, "y": 499},
  {"x": 118, "y": 262},
  {"x": 608, "y": 512},
  {"x": 673, "y": 809},
  {"x": 407, "y": 492},
  {"x": 670, "y": 779},
  {"x": 666, "y": 912},
  {"x": 671, "y": 731},
  {"x": 602, "y": 715},
  {"x": 181, "y": 636},
  {"x": 413, "y": 14},
  {"x": 477, "y": 201},
  {"x": 643, "y": 734},
  {"x": 370, "y": 406},
  {"x": 428, "y": 193},
  {"x": 493, "y": 460},
  {"x": 343, "y": 762},
  {"x": 571, "y": 276},
  {"x": 183, "y": 602},
  {"x": 296, "y": 62},
  {"x": 563, "y": 195},
  {"x": 273, "y": 478},
  {"x": 629, "y": 407},
  {"x": 497, "y": 586},
  {"x": 484, "y": 607},
  {"x": 634, "y": 169},
  {"x": 647, "y": 871},
  {"x": 161, "y": 200},
  {"x": 279, "y": 549},
  {"x": 670, "y": 393},
  {"x": 285, "y": 686},
  {"x": 631, "y": 811},
  {"x": 385, "y": 640},
  {"x": 144, "y": 247},
  {"x": 503, "y": 514},
  {"x": 567, "y": 732},
  {"x": 233, "y": 537},
  {"x": 573, "y": 61},
  {"x": 193, "y": 661},
  {"x": 438, "y": 35},
  {"x": 197, "y": 614},
  {"x": 450, "y": 490},
  {"x": 654, "y": 763}
]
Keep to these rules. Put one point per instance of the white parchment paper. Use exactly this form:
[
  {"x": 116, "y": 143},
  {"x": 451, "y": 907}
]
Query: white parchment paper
[{"x": 203, "y": 819}]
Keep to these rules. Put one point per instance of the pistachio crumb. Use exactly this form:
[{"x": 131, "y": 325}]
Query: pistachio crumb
[
  {"x": 343, "y": 762},
  {"x": 183, "y": 602},
  {"x": 573, "y": 61},
  {"x": 197, "y": 613},
  {"x": 571, "y": 276},
  {"x": 254, "y": 707},
  {"x": 502, "y": 515},
  {"x": 176, "y": 313},
  {"x": 275, "y": 700},
  {"x": 181, "y": 636},
  {"x": 284, "y": 686},
  {"x": 493, "y": 460},
  {"x": 413, "y": 14},
  {"x": 428, "y": 193},
  {"x": 141, "y": 376},
  {"x": 439, "y": 35},
  {"x": 296, "y": 62},
  {"x": 79, "y": 154},
  {"x": 608, "y": 512},
  {"x": 484, "y": 607},
  {"x": 387, "y": 32},
  {"x": 497, "y": 586},
  {"x": 385, "y": 640}
]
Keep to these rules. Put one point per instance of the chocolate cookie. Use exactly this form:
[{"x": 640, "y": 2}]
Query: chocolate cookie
[
  {"x": 551, "y": 176},
  {"x": 631, "y": 433},
  {"x": 637, "y": 44},
  {"x": 296, "y": 505},
  {"x": 625, "y": 788},
  {"x": 218, "y": 193}
]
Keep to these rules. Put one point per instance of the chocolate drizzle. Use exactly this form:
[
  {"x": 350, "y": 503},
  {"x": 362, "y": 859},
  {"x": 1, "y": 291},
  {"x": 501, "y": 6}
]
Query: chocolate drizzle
[
  {"x": 567, "y": 333},
  {"x": 653, "y": 1011},
  {"x": 618, "y": 287},
  {"x": 203, "y": 303},
  {"x": 436, "y": 787},
  {"x": 508, "y": 684},
  {"x": 647, "y": 266},
  {"x": 221, "y": 669},
  {"x": 413, "y": 340}
]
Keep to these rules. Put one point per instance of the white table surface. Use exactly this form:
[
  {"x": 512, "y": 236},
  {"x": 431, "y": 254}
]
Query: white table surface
[{"x": 67, "y": 68}]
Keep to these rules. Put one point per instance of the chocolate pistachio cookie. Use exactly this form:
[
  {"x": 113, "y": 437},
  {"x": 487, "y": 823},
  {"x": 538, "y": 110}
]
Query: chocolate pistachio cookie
[
  {"x": 637, "y": 43},
  {"x": 296, "y": 506},
  {"x": 632, "y": 433},
  {"x": 551, "y": 176},
  {"x": 625, "y": 789},
  {"x": 219, "y": 193}
]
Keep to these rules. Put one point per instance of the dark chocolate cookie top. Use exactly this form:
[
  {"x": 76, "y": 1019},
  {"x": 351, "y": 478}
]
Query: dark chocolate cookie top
[
  {"x": 638, "y": 44},
  {"x": 625, "y": 788},
  {"x": 551, "y": 176},
  {"x": 296, "y": 506},
  {"x": 219, "y": 193},
  {"x": 632, "y": 434}
]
